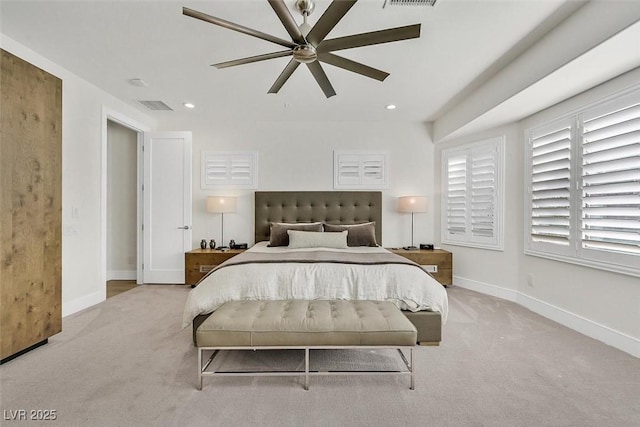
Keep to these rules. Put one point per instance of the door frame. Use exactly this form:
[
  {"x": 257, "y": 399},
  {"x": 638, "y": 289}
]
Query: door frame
[{"x": 117, "y": 117}]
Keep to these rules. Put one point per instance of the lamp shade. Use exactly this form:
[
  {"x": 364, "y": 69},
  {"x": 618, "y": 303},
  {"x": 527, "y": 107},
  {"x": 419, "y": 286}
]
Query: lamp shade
[
  {"x": 412, "y": 204},
  {"x": 221, "y": 204}
]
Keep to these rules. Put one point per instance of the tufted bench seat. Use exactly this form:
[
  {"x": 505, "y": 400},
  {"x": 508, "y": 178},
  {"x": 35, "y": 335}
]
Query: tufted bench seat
[{"x": 308, "y": 325}]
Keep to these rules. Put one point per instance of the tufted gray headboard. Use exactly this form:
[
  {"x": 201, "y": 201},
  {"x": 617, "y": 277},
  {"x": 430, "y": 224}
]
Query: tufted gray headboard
[{"x": 333, "y": 207}]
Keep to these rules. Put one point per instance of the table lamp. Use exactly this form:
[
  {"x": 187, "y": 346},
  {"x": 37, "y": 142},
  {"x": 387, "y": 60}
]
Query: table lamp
[
  {"x": 221, "y": 205},
  {"x": 412, "y": 204}
]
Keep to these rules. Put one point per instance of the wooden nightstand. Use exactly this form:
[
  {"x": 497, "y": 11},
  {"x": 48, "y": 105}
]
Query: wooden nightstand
[
  {"x": 437, "y": 259},
  {"x": 199, "y": 262}
]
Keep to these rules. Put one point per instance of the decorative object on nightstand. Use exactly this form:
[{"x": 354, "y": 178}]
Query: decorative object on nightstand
[
  {"x": 221, "y": 205},
  {"x": 203, "y": 244},
  {"x": 412, "y": 204},
  {"x": 212, "y": 244}
]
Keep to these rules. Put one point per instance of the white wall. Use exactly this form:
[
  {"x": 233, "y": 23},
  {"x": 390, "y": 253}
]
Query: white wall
[
  {"x": 299, "y": 156},
  {"x": 82, "y": 282},
  {"x": 122, "y": 169},
  {"x": 601, "y": 304}
]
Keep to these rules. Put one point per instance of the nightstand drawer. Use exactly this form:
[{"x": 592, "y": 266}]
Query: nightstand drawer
[
  {"x": 199, "y": 262},
  {"x": 438, "y": 262},
  {"x": 431, "y": 268},
  {"x": 206, "y": 268}
]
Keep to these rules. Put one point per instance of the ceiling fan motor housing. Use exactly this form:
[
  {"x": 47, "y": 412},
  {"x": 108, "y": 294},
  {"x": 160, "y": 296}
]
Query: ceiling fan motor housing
[{"x": 305, "y": 53}]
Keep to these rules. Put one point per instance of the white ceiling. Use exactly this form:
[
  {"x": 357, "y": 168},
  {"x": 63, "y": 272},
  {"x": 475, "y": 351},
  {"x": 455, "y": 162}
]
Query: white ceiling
[{"x": 110, "y": 42}]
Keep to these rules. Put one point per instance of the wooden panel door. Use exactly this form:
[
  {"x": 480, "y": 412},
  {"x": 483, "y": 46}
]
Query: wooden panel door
[{"x": 31, "y": 206}]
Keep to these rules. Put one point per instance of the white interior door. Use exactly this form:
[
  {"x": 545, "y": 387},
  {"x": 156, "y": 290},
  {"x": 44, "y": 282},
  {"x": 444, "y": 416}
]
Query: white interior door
[{"x": 167, "y": 205}]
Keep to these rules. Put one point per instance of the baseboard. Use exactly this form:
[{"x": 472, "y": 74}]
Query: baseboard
[
  {"x": 580, "y": 324},
  {"x": 81, "y": 303},
  {"x": 587, "y": 327},
  {"x": 121, "y": 275},
  {"x": 486, "y": 288}
]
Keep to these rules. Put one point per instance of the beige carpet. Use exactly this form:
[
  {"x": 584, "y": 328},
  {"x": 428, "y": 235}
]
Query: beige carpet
[{"x": 127, "y": 362}]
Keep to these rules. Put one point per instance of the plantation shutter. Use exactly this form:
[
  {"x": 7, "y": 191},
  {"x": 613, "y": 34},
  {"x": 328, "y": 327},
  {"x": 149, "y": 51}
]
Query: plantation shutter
[
  {"x": 229, "y": 170},
  {"x": 610, "y": 178},
  {"x": 359, "y": 170},
  {"x": 483, "y": 192},
  {"x": 472, "y": 204},
  {"x": 372, "y": 170},
  {"x": 457, "y": 194},
  {"x": 551, "y": 183}
]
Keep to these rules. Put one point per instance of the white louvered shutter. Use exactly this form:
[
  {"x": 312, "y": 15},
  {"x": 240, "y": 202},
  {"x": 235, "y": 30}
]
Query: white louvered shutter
[
  {"x": 483, "y": 192},
  {"x": 472, "y": 203},
  {"x": 372, "y": 170},
  {"x": 550, "y": 151},
  {"x": 360, "y": 170},
  {"x": 610, "y": 180},
  {"x": 456, "y": 195},
  {"x": 229, "y": 170}
]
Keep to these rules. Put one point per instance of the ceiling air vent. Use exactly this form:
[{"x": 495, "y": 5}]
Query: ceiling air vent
[
  {"x": 156, "y": 105},
  {"x": 409, "y": 3}
]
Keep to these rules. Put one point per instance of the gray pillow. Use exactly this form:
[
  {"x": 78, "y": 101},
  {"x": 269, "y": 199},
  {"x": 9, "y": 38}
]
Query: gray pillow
[
  {"x": 279, "y": 236},
  {"x": 359, "y": 234}
]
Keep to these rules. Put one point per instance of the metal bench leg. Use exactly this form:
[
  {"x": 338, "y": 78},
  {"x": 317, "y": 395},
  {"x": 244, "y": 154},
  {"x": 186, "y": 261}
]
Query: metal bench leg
[
  {"x": 412, "y": 368},
  {"x": 306, "y": 369},
  {"x": 199, "y": 369}
]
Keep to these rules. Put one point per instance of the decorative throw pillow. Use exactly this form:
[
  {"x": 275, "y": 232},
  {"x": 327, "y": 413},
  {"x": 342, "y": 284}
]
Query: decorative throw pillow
[
  {"x": 313, "y": 239},
  {"x": 279, "y": 236},
  {"x": 359, "y": 234}
]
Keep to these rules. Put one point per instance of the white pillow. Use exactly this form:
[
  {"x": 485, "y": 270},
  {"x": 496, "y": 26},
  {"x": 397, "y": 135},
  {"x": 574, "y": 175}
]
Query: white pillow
[{"x": 315, "y": 239}]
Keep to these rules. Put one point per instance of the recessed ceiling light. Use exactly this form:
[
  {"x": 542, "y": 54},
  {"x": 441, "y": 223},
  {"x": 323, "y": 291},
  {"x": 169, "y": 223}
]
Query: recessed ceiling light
[
  {"x": 189, "y": 105},
  {"x": 138, "y": 83},
  {"x": 390, "y": 107}
]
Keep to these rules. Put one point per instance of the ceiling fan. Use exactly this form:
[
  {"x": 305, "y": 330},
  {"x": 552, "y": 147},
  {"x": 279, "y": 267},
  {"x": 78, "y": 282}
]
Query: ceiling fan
[{"x": 308, "y": 44}]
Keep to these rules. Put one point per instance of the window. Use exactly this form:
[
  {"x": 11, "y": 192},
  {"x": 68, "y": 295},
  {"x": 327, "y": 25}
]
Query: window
[
  {"x": 584, "y": 181},
  {"x": 229, "y": 169},
  {"x": 359, "y": 170},
  {"x": 472, "y": 206}
]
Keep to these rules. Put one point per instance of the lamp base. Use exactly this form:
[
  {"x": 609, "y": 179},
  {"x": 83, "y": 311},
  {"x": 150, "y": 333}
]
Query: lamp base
[{"x": 410, "y": 248}]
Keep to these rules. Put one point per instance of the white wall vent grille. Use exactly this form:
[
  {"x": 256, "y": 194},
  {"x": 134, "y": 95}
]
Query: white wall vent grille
[
  {"x": 156, "y": 105},
  {"x": 409, "y": 3}
]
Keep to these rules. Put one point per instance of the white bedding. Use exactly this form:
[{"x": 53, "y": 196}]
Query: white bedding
[{"x": 406, "y": 286}]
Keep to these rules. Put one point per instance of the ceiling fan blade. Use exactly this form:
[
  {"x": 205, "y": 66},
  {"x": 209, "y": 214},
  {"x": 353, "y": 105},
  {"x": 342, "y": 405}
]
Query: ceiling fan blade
[
  {"x": 334, "y": 13},
  {"x": 236, "y": 27},
  {"x": 321, "y": 78},
  {"x": 287, "y": 20},
  {"x": 371, "y": 38},
  {"x": 284, "y": 76},
  {"x": 354, "y": 66},
  {"x": 251, "y": 59}
]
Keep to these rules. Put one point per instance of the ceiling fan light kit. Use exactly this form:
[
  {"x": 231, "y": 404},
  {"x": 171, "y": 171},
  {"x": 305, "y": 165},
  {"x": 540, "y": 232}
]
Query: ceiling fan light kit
[{"x": 308, "y": 45}]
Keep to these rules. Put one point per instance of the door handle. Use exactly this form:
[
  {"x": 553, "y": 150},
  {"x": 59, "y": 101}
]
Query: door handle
[{"x": 186, "y": 227}]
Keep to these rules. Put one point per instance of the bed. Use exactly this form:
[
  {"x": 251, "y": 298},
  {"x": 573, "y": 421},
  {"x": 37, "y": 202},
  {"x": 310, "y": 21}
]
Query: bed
[{"x": 266, "y": 272}]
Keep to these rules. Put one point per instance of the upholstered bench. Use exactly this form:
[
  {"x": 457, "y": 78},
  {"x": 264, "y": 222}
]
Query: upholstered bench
[{"x": 304, "y": 325}]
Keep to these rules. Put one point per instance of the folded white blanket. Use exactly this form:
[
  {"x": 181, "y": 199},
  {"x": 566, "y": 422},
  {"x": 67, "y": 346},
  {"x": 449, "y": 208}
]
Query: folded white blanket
[{"x": 406, "y": 286}]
